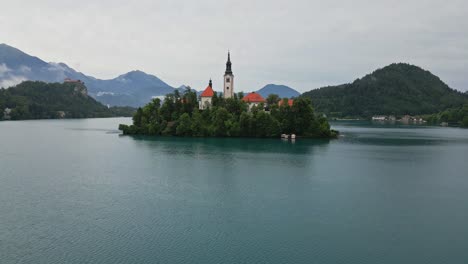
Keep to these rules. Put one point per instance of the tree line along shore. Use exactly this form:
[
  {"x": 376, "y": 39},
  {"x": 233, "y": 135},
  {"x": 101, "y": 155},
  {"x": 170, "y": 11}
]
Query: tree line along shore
[{"x": 179, "y": 115}]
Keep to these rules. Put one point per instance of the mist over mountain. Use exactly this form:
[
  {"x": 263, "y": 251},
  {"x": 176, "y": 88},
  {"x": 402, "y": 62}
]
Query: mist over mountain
[
  {"x": 282, "y": 91},
  {"x": 134, "y": 88}
]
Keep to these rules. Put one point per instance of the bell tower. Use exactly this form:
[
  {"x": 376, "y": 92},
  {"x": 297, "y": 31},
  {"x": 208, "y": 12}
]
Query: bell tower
[{"x": 228, "y": 79}]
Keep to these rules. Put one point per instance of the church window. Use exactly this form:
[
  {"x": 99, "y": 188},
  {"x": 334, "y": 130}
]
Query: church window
[
  {"x": 227, "y": 88},
  {"x": 227, "y": 80}
]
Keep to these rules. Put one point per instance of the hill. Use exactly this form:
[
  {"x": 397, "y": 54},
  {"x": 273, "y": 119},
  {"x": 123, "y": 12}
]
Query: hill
[
  {"x": 40, "y": 100},
  {"x": 282, "y": 91},
  {"x": 397, "y": 89},
  {"x": 134, "y": 88}
]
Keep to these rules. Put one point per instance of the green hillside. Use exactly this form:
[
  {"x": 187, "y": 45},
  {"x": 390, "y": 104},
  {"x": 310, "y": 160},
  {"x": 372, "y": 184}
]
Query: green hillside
[
  {"x": 39, "y": 100},
  {"x": 397, "y": 89},
  {"x": 454, "y": 116}
]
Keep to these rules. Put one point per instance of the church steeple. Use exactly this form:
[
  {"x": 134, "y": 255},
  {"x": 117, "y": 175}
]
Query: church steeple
[
  {"x": 210, "y": 84},
  {"x": 228, "y": 64},
  {"x": 228, "y": 79}
]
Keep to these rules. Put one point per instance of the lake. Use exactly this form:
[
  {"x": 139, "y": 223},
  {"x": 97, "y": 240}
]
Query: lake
[{"x": 75, "y": 191}]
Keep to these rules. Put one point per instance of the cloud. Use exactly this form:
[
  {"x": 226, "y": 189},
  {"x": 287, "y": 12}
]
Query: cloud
[
  {"x": 301, "y": 43},
  {"x": 24, "y": 69},
  {"x": 7, "y": 79},
  {"x": 57, "y": 69},
  {"x": 12, "y": 81},
  {"x": 4, "y": 69},
  {"x": 104, "y": 93}
]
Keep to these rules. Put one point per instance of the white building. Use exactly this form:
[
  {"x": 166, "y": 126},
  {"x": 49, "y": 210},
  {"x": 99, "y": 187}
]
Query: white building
[
  {"x": 379, "y": 118},
  {"x": 206, "y": 97},
  {"x": 228, "y": 79},
  {"x": 6, "y": 113},
  {"x": 253, "y": 99}
]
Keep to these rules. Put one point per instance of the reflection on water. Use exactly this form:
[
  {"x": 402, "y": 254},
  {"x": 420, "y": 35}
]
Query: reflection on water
[
  {"x": 175, "y": 144},
  {"x": 232, "y": 150},
  {"x": 361, "y": 132}
]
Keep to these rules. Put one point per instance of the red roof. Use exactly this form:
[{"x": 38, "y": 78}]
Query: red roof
[
  {"x": 68, "y": 80},
  {"x": 253, "y": 97},
  {"x": 290, "y": 102},
  {"x": 208, "y": 92}
]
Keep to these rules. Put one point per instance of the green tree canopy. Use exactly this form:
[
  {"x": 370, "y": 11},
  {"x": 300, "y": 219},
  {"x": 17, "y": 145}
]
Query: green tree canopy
[{"x": 178, "y": 115}]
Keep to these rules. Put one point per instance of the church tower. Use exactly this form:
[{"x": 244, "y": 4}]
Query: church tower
[{"x": 228, "y": 80}]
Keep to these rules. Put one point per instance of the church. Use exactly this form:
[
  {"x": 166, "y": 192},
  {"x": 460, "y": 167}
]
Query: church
[{"x": 252, "y": 99}]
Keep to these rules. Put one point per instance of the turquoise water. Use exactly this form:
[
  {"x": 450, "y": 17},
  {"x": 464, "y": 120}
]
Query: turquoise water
[{"x": 75, "y": 191}]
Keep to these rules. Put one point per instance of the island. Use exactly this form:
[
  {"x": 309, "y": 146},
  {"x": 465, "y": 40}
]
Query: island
[
  {"x": 181, "y": 115},
  {"x": 229, "y": 114}
]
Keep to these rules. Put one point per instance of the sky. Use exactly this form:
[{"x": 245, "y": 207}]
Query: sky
[{"x": 303, "y": 44}]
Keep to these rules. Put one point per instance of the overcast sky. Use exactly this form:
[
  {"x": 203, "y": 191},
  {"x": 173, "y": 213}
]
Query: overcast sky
[{"x": 303, "y": 44}]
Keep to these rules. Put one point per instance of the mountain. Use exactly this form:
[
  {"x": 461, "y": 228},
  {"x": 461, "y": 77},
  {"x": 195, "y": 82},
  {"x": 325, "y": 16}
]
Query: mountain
[
  {"x": 397, "y": 89},
  {"x": 282, "y": 91},
  {"x": 134, "y": 88},
  {"x": 40, "y": 100},
  {"x": 17, "y": 66}
]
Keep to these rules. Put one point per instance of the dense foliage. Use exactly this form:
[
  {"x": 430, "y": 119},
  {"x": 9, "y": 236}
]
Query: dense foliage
[
  {"x": 39, "y": 100},
  {"x": 397, "y": 89},
  {"x": 453, "y": 116},
  {"x": 178, "y": 115}
]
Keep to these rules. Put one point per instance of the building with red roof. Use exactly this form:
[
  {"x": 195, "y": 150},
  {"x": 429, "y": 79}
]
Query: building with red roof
[
  {"x": 290, "y": 102},
  {"x": 68, "y": 80},
  {"x": 253, "y": 99},
  {"x": 206, "y": 96}
]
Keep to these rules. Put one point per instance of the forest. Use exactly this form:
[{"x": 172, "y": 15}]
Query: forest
[
  {"x": 179, "y": 115},
  {"x": 453, "y": 116},
  {"x": 40, "y": 100},
  {"x": 397, "y": 89}
]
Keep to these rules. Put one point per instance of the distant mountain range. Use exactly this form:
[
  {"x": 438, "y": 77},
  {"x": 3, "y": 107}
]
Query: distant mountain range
[
  {"x": 397, "y": 89},
  {"x": 134, "y": 88},
  {"x": 282, "y": 91}
]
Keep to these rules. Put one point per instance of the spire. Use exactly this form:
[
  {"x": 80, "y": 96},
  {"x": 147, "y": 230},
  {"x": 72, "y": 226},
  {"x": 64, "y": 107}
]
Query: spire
[
  {"x": 210, "y": 84},
  {"x": 228, "y": 64}
]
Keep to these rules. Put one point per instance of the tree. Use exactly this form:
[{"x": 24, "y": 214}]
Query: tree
[
  {"x": 220, "y": 115},
  {"x": 39, "y": 100},
  {"x": 197, "y": 124},
  {"x": 272, "y": 99},
  {"x": 397, "y": 89},
  {"x": 266, "y": 125},
  {"x": 137, "y": 117},
  {"x": 232, "y": 127},
  {"x": 465, "y": 121},
  {"x": 184, "y": 127},
  {"x": 455, "y": 116},
  {"x": 245, "y": 123},
  {"x": 227, "y": 118},
  {"x": 303, "y": 116}
]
